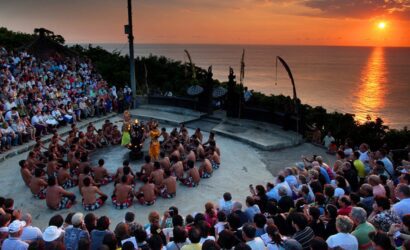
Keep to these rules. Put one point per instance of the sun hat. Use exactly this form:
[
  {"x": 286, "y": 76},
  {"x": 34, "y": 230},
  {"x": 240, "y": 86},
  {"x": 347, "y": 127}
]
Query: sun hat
[
  {"x": 16, "y": 226},
  {"x": 51, "y": 233}
]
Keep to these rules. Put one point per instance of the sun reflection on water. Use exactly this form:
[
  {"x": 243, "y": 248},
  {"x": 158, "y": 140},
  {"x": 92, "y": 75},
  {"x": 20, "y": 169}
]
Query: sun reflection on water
[{"x": 370, "y": 96}]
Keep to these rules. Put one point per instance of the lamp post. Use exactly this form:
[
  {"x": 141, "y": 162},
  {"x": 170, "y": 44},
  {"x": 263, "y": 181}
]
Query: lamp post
[{"x": 128, "y": 31}]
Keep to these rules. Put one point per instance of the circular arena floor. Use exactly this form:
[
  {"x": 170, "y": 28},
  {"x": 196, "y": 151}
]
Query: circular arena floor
[{"x": 240, "y": 166}]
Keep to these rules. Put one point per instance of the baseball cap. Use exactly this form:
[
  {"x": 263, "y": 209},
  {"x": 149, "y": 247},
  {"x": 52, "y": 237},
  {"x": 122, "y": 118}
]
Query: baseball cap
[
  {"x": 16, "y": 226},
  {"x": 51, "y": 233}
]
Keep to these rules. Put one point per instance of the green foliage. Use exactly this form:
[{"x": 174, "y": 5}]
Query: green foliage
[
  {"x": 50, "y": 35},
  {"x": 13, "y": 40}
]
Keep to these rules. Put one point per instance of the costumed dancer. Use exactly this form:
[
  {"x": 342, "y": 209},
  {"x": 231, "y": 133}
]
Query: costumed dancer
[
  {"x": 126, "y": 128},
  {"x": 154, "y": 147}
]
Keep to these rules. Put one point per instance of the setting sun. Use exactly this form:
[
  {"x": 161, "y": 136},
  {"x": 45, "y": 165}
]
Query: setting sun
[{"x": 381, "y": 25}]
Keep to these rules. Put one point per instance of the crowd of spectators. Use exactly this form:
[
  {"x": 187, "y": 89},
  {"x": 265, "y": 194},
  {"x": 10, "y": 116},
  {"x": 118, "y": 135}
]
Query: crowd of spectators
[
  {"x": 361, "y": 202},
  {"x": 39, "y": 95}
]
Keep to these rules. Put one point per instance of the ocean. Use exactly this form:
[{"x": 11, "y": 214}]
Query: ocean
[{"x": 365, "y": 81}]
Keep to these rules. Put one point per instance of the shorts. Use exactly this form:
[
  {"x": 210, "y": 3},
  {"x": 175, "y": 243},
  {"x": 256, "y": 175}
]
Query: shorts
[
  {"x": 214, "y": 165},
  {"x": 123, "y": 205},
  {"x": 91, "y": 207},
  {"x": 206, "y": 175},
  {"x": 106, "y": 180},
  {"x": 41, "y": 195},
  {"x": 65, "y": 203},
  {"x": 166, "y": 195},
  {"x": 69, "y": 184},
  {"x": 149, "y": 203},
  {"x": 189, "y": 182}
]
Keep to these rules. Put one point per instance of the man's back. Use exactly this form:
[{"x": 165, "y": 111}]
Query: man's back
[
  {"x": 72, "y": 236},
  {"x": 14, "y": 244},
  {"x": 256, "y": 244}
]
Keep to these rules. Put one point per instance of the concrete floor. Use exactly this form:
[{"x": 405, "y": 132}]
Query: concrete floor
[{"x": 241, "y": 165}]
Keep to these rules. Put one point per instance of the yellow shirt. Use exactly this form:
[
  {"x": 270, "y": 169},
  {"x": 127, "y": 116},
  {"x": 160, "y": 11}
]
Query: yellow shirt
[{"x": 360, "y": 168}]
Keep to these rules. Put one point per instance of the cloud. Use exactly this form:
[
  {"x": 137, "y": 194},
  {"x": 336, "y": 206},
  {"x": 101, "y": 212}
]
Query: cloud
[{"x": 359, "y": 8}]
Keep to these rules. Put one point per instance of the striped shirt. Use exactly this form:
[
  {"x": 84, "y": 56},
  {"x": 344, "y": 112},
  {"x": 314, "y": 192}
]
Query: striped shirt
[{"x": 304, "y": 237}]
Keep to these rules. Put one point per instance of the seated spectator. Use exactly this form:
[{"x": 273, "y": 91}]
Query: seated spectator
[
  {"x": 74, "y": 234},
  {"x": 249, "y": 236},
  {"x": 343, "y": 238},
  {"x": 363, "y": 228}
]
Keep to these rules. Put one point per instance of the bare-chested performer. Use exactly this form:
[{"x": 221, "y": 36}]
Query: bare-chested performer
[
  {"x": 190, "y": 157},
  {"x": 146, "y": 169},
  {"x": 38, "y": 185},
  {"x": 101, "y": 174},
  {"x": 84, "y": 162},
  {"x": 81, "y": 177},
  {"x": 199, "y": 148},
  {"x": 164, "y": 161},
  {"x": 175, "y": 152},
  {"x": 64, "y": 178},
  {"x": 205, "y": 167},
  {"x": 157, "y": 176},
  {"x": 193, "y": 177},
  {"x": 146, "y": 193},
  {"x": 177, "y": 167},
  {"x": 56, "y": 197},
  {"x": 116, "y": 136},
  {"x": 214, "y": 158},
  {"x": 120, "y": 171},
  {"x": 169, "y": 188},
  {"x": 32, "y": 161},
  {"x": 122, "y": 195},
  {"x": 52, "y": 166},
  {"x": 25, "y": 172},
  {"x": 89, "y": 192}
]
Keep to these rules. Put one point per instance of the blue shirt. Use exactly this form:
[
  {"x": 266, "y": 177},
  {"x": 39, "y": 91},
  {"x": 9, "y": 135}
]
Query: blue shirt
[
  {"x": 325, "y": 174},
  {"x": 291, "y": 180},
  {"x": 14, "y": 243},
  {"x": 72, "y": 236},
  {"x": 388, "y": 165},
  {"x": 402, "y": 207}
]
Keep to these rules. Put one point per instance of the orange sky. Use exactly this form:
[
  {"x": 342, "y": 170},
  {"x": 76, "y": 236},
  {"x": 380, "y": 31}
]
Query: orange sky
[{"x": 300, "y": 22}]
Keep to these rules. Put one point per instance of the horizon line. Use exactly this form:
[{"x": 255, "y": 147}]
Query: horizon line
[{"x": 237, "y": 44}]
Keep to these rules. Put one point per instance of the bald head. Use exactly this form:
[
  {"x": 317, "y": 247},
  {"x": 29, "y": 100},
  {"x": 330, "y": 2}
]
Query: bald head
[{"x": 27, "y": 218}]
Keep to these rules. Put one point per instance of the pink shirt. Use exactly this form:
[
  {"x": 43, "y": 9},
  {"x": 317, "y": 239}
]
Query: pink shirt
[{"x": 379, "y": 190}]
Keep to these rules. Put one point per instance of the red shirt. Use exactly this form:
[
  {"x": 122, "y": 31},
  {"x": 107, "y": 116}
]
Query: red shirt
[{"x": 344, "y": 211}]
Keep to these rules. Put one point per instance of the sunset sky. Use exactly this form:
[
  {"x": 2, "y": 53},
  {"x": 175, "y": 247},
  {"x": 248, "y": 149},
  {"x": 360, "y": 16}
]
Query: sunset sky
[{"x": 296, "y": 22}]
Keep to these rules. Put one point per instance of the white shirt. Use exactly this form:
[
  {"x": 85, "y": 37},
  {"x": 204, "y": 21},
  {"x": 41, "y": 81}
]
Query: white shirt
[
  {"x": 256, "y": 244},
  {"x": 31, "y": 233},
  {"x": 343, "y": 240},
  {"x": 207, "y": 238}
]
